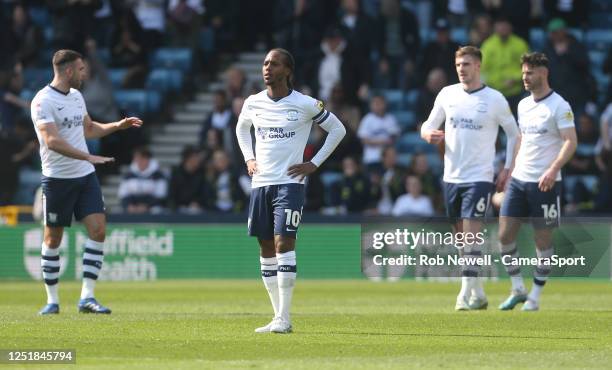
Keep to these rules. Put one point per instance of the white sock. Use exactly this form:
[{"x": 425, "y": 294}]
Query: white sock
[
  {"x": 477, "y": 288},
  {"x": 536, "y": 290},
  {"x": 517, "y": 283},
  {"x": 286, "y": 281},
  {"x": 466, "y": 286},
  {"x": 50, "y": 264},
  {"x": 269, "y": 271},
  {"x": 93, "y": 257}
]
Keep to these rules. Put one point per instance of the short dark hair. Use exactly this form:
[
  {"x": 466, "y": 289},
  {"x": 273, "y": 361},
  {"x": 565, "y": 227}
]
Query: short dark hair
[
  {"x": 289, "y": 62},
  {"x": 469, "y": 50},
  {"x": 535, "y": 59},
  {"x": 143, "y": 151},
  {"x": 64, "y": 56}
]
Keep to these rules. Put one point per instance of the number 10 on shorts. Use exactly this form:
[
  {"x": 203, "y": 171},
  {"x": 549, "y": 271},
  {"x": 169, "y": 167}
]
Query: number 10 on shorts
[{"x": 292, "y": 217}]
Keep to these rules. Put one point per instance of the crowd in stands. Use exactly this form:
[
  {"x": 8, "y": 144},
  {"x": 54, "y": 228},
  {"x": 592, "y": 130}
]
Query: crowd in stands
[{"x": 377, "y": 64}]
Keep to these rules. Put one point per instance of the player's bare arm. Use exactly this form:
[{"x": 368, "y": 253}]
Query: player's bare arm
[
  {"x": 95, "y": 130},
  {"x": 55, "y": 142},
  {"x": 570, "y": 141}
]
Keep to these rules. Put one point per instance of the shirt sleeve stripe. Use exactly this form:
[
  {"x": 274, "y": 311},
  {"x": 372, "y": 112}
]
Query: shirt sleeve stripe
[
  {"x": 322, "y": 119},
  {"x": 319, "y": 114}
]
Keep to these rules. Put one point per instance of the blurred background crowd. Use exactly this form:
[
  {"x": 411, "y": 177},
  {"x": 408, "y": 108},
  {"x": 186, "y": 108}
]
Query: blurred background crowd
[{"x": 186, "y": 66}]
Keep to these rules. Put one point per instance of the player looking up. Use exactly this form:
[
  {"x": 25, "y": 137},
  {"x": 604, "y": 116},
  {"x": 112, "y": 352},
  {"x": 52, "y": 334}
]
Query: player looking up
[
  {"x": 282, "y": 118},
  {"x": 549, "y": 140},
  {"x": 69, "y": 183},
  {"x": 472, "y": 113}
]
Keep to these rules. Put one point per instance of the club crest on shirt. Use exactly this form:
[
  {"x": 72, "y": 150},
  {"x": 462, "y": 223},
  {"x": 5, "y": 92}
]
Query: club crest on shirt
[
  {"x": 481, "y": 107},
  {"x": 292, "y": 115}
]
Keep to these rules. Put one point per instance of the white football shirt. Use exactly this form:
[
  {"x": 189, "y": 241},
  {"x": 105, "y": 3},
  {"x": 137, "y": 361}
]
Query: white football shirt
[
  {"x": 67, "y": 111},
  {"x": 282, "y": 128},
  {"x": 540, "y": 122},
  {"x": 471, "y": 122}
]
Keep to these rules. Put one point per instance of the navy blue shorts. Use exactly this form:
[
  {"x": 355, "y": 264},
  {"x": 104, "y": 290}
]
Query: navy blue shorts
[
  {"x": 524, "y": 200},
  {"x": 276, "y": 210},
  {"x": 468, "y": 200},
  {"x": 63, "y": 198}
]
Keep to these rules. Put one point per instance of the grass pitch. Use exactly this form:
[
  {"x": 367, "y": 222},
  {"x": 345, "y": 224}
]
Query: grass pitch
[{"x": 338, "y": 324}]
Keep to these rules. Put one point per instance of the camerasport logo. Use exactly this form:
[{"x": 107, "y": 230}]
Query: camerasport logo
[{"x": 32, "y": 242}]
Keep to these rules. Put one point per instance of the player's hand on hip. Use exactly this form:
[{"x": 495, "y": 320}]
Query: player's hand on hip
[
  {"x": 129, "y": 122},
  {"x": 96, "y": 159},
  {"x": 301, "y": 170},
  {"x": 502, "y": 180},
  {"x": 251, "y": 167},
  {"x": 547, "y": 180},
  {"x": 434, "y": 136}
]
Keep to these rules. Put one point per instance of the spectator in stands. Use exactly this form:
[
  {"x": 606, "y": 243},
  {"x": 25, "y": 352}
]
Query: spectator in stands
[
  {"x": 391, "y": 181},
  {"x": 607, "y": 70},
  {"x": 73, "y": 22},
  {"x": 603, "y": 200},
  {"x": 12, "y": 106},
  {"x": 440, "y": 53},
  {"x": 346, "y": 112},
  {"x": 398, "y": 42},
  {"x": 27, "y": 159},
  {"x": 225, "y": 192},
  {"x": 500, "y": 69},
  {"x": 575, "y": 13},
  {"x": 220, "y": 118},
  {"x": 128, "y": 51},
  {"x": 421, "y": 168},
  {"x": 354, "y": 188},
  {"x": 15, "y": 150},
  {"x": 220, "y": 16},
  {"x": 151, "y": 15},
  {"x": 331, "y": 63},
  {"x": 377, "y": 130},
  {"x": 144, "y": 188},
  {"x": 436, "y": 80},
  {"x": 583, "y": 161},
  {"x": 516, "y": 11},
  {"x": 21, "y": 38},
  {"x": 356, "y": 28},
  {"x": 480, "y": 30},
  {"x": 97, "y": 90},
  {"x": 605, "y": 128},
  {"x": 185, "y": 18},
  {"x": 569, "y": 66},
  {"x": 236, "y": 84},
  {"x": 187, "y": 185},
  {"x": 413, "y": 203}
]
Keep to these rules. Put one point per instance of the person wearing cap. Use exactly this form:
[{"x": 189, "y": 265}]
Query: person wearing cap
[
  {"x": 440, "y": 53},
  {"x": 569, "y": 65}
]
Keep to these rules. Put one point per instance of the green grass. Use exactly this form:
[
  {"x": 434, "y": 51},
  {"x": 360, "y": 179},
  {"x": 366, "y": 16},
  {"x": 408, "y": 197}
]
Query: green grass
[{"x": 338, "y": 324}]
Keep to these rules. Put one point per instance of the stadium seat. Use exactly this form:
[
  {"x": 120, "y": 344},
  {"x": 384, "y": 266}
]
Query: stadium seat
[
  {"x": 154, "y": 101},
  {"x": 179, "y": 58},
  {"x": 406, "y": 119},
  {"x": 600, "y": 19},
  {"x": 412, "y": 143},
  {"x": 591, "y": 183},
  {"x": 207, "y": 40},
  {"x": 36, "y": 78},
  {"x": 537, "y": 39},
  {"x": 164, "y": 80},
  {"x": 597, "y": 57},
  {"x": 585, "y": 150},
  {"x": 600, "y": 6},
  {"x": 27, "y": 94},
  {"x": 104, "y": 55},
  {"x": 410, "y": 99},
  {"x": 394, "y": 99},
  {"x": 132, "y": 102},
  {"x": 116, "y": 76},
  {"x": 404, "y": 159},
  {"x": 39, "y": 15},
  {"x": 435, "y": 163},
  {"x": 459, "y": 35},
  {"x": 599, "y": 39}
]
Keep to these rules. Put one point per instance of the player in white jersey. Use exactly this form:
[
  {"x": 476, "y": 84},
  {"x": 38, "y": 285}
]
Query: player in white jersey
[
  {"x": 69, "y": 183},
  {"x": 282, "y": 119},
  {"x": 548, "y": 141},
  {"x": 472, "y": 114}
]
